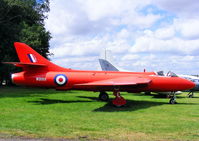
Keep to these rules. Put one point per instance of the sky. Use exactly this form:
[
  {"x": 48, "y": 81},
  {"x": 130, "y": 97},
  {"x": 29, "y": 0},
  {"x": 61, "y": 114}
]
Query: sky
[{"x": 137, "y": 34}]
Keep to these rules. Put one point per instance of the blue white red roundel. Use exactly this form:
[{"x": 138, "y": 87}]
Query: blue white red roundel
[{"x": 60, "y": 79}]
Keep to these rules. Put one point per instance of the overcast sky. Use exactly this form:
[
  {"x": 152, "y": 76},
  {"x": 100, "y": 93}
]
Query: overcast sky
[{"x": 138, "y": 34}]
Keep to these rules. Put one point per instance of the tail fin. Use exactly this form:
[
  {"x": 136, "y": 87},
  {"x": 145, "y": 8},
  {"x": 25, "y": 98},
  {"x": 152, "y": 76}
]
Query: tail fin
[
  {"x": 107, "y": 66},
  {"x": 30, "y": 58},
  {"x": 27, "y": 55}
]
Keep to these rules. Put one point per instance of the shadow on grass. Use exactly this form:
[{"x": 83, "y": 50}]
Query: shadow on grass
[
  {"x": 187, "y": 103},
  {"x": 45, "y": 101},
  {"x": 151, "y": 95},
  {"x": 108, "y": 107},
  {"x": 27, "y": 92},
  {"x": 131, "y": 105},
  {"x": 91, "y": 98},
  {"x": 158, "y": 95},
  {"x": 194, "y": 97}
]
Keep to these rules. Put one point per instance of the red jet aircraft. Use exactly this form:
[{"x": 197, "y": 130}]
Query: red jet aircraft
[{"x": 40, "y": 72}]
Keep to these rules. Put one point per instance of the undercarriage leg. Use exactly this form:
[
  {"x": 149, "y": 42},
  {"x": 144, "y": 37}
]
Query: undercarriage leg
[
  {"x": 119, "y": 100},
  {"x": 190, "y": 94},
  {"x": 172, "y": 98}
]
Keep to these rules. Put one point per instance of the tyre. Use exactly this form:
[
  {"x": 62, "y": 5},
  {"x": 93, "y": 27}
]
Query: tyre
[
  {"x": 191, "y": 96},
  {"x": 103, "y": 96},
  {"x": 172, "y": 101}
]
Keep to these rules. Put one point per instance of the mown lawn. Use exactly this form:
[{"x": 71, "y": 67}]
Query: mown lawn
[{"x": 45, "y": 113}]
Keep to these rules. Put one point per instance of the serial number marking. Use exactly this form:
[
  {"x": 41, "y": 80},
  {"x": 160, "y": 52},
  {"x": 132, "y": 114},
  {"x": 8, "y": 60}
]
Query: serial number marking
[{"x": 40, "y": 79}]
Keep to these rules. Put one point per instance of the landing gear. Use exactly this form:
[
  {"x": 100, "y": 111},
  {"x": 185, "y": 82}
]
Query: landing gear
[
  {"x": 172, "y": 98},
  {"x": 190, "y": 94},
  {"x": 147, "y": 93},
  {"x": 103, "y": 96},
  {"x": 172, "y": 101},
  {"x": 119, "y": 100},
  {"x": 169, "y": 95}
]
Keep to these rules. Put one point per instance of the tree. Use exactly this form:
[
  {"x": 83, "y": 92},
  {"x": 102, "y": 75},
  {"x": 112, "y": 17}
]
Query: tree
[{"x": 23, "y": 21}]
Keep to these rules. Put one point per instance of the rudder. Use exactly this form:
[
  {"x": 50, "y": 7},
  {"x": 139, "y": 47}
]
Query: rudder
[
  {"x": 27, "y": 55},
  {"x": 30, "y": 57}
]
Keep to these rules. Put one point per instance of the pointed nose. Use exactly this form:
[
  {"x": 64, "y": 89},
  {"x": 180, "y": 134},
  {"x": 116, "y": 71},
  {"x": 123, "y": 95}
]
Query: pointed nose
[{"x": 188, "y": 84}]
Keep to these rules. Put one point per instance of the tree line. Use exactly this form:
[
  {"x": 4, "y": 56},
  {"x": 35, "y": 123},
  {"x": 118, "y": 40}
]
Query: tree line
[{"x": 21, "y": 21}]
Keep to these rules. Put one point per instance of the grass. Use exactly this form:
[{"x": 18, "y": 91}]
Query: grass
[{"x": 45, "y": 113}]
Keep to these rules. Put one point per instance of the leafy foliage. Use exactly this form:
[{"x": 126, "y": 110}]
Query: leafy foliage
[{"x": 23, "y": 21}]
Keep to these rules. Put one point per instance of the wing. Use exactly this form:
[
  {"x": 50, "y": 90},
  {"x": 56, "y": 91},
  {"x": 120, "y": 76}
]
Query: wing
[{"x": 121, "y": 81}]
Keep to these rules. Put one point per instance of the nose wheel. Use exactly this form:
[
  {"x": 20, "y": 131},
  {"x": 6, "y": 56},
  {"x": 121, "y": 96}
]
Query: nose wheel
[
  {"x": 119, "y": 100},
  {"x": 172, "y": 101},
  {"x": 190, "y": 94},
  {"x": 172, "y": 98}
]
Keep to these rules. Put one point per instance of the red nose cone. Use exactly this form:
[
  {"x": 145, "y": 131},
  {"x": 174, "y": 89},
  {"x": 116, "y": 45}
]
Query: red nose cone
[{"x": 190, "y": 85}]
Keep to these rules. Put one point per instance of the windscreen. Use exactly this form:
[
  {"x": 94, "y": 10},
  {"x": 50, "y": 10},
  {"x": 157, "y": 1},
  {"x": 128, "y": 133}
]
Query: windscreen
[{"x": 171, "y": 74}]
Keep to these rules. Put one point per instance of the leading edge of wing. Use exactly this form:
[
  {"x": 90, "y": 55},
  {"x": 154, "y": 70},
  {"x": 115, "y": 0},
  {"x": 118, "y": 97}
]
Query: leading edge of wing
[{"x": 121, "y": 81}]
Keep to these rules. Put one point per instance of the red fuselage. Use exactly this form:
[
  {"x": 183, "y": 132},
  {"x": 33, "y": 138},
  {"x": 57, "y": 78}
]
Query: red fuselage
[{"x": 46, "y": 79}]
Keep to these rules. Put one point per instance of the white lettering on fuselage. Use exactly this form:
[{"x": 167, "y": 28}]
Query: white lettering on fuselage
[{"x": 40, "y": 79}]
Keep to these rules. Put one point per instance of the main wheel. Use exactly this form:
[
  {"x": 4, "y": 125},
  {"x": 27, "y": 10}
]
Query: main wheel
[
  {"x": 103, "y": 96},
  {"x": 172, "y": 101}
]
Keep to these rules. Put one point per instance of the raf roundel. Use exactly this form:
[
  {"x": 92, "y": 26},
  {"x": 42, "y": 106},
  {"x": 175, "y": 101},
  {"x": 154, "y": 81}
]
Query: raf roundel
[{"x": 60, "y": 79}]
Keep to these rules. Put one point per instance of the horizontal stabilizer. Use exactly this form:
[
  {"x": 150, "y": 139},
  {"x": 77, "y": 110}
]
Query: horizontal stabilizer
[{"x": 19, "y": 64}]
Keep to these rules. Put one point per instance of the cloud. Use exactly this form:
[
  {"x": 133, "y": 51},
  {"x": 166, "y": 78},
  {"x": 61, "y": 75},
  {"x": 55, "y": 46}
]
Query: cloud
[
  {"x": 149, "y": 34},
  {"x": 188, "y": 28},
  {"x": 75, "y": 63},
  {"x": 82, "y": 17},
  {"x": 165, "y": 33},
  {"x": 149, "y": 43},
  {"x": 79, "y": 48},
  {"x": 182, "y": 8}
]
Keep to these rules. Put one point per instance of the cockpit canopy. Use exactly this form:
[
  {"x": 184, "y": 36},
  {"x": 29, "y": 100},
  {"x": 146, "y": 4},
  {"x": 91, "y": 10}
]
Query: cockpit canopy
[{"x": 170, "y": 73}]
